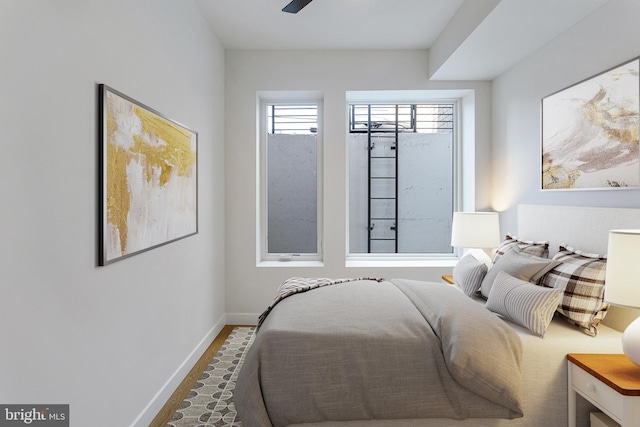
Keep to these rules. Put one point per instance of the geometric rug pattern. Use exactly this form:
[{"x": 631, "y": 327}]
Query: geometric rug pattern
[{"x": 210, "y": 401}]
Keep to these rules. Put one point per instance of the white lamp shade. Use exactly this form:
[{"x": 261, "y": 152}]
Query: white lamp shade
[
  {"x": 622, "y": 282},
  {"x": 475, "y": 230}
]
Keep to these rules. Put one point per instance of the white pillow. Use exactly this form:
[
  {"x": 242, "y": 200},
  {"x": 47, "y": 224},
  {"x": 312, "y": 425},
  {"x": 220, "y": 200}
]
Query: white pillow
[
  {"x": 518, "y": 264},
  {"x": 524, "y": 303},
  {"x": 468, "y": 274}
]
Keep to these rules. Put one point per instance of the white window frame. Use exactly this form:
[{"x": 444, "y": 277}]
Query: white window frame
[
  {"x": 264, "y": 258},
  {"x": 461, "y": 199}
]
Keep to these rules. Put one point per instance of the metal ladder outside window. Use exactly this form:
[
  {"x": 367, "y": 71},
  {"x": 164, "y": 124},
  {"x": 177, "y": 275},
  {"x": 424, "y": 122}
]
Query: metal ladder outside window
[{"x": 382, "y": 188}]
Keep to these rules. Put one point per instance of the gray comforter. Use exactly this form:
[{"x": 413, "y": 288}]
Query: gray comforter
[{"x": 361, "y": 350}]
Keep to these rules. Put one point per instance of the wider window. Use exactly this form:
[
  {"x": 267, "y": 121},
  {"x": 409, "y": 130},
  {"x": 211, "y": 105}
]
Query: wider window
[
  {"x": 290, "y": 163},
  {"x": 401, "y": 178}
]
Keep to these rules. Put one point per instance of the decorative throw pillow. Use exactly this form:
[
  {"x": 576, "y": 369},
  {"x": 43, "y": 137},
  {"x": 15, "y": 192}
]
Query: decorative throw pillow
[
  {"x": 581, "y": 276},
  {"x": 521, "y": 265},
  {"x": 468, "y": 274},
  {"x": 523, "y": 302},
  {"x": 531, "y": 247}
]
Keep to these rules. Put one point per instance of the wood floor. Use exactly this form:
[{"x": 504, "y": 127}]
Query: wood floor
[{"x": 186, "y": 385}]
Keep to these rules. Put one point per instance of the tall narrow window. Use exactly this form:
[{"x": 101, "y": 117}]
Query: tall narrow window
[
  {"x": 401, "y": 178},
  {"x": 291, "y": 160}
]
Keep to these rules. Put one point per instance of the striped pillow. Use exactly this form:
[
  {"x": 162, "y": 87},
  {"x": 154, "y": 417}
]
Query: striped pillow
[
  {"x": 468, "y": 274},
  {"x": 537, "y": 248},
  {"x": 523, "y": 302},
  {"x": 581, "y": 276}
]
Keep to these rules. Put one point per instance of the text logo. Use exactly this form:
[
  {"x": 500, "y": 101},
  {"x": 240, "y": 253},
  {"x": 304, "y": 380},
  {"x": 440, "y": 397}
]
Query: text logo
[{"x": 34, "y": 415}]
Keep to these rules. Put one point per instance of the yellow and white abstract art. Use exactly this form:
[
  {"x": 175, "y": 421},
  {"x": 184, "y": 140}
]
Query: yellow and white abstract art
[
  {"x": 149, "y": 178},
  {"x": 590, "y": 132}
]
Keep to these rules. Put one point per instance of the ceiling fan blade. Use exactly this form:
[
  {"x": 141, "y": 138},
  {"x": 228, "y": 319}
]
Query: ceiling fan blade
[{"x": 296, "y": 6}]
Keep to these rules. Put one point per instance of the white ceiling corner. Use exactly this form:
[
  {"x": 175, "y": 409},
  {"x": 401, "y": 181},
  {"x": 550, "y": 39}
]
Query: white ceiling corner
[
  {"x": 466, "y": 39},
  {"x": 513, "y": 30}
]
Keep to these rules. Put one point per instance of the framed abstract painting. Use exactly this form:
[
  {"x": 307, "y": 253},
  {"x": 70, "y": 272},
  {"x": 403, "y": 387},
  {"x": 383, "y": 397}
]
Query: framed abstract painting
[
  {"x": 590, "y": 132},
  {"x": 148, "y": 178}
]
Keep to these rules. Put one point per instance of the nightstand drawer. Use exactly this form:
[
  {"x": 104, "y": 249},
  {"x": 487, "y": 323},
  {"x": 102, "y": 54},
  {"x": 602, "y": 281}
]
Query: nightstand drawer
[{"x": 595, "y": 390}]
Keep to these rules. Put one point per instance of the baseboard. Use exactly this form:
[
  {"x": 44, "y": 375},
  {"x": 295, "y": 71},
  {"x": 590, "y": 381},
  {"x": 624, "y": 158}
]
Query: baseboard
[
  {"x": 242, "y": 318},
  {"x": 151, "y": 410}
]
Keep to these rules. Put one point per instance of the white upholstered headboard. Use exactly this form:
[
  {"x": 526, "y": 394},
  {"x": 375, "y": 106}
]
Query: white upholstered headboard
[{"x": 583, "y": 228}]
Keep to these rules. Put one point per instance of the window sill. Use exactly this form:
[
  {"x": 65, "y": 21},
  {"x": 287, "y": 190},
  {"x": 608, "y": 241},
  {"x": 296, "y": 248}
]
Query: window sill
[
  {"x": 290, "y": 263},
  {"x": 399, "y": 262}
]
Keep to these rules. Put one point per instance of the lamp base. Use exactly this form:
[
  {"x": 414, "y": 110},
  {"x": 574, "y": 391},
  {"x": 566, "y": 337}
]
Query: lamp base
[
  {"x": 631, "y": 341},
  {"x": 482, "y": 255}
]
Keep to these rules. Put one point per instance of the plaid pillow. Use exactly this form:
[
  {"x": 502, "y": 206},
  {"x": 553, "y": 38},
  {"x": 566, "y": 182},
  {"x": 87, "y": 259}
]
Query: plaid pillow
[
  {"x": 537, "y": 248},
  {"x": 581, "y": 275}
]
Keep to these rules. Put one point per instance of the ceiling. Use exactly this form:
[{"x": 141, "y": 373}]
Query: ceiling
[{"x": 465, "y": 39}]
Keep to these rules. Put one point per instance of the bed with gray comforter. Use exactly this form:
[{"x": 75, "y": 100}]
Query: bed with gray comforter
[{"x": 364, "y": 350}]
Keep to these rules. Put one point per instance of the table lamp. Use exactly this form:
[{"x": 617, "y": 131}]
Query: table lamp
[
  {"x": 622, "y": 283},
  {"x": 476, "y": 230}
]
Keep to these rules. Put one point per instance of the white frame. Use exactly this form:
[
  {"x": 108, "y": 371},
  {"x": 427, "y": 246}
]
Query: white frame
[
  {"x": 263, "y": 257},
  {"x": 410, "y": 259}
]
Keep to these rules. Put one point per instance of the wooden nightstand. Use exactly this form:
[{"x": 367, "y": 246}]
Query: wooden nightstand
[
  {"x": 448, "y": 279},
  {"x": 609, "y": 381}
]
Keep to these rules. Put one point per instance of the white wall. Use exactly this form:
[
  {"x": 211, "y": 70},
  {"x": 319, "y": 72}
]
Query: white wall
[
  {"x": 249, "y": 288},
  {"x": 604, "y": 39},
  {"x": 103, "y": 339}
]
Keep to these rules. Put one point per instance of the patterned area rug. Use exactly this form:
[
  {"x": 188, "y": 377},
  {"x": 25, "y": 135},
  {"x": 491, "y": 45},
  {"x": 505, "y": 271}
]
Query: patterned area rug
[{"x": 210, "y": 401}]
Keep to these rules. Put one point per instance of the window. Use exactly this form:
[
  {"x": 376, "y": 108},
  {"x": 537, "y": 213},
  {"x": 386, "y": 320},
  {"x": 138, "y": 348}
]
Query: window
[
  {"x": 402, "y": 167},
  {"x": 290, "y": 195}
]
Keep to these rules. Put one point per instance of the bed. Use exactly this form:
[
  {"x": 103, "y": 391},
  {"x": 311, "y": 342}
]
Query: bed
[{"x": 399, "y": 352}]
